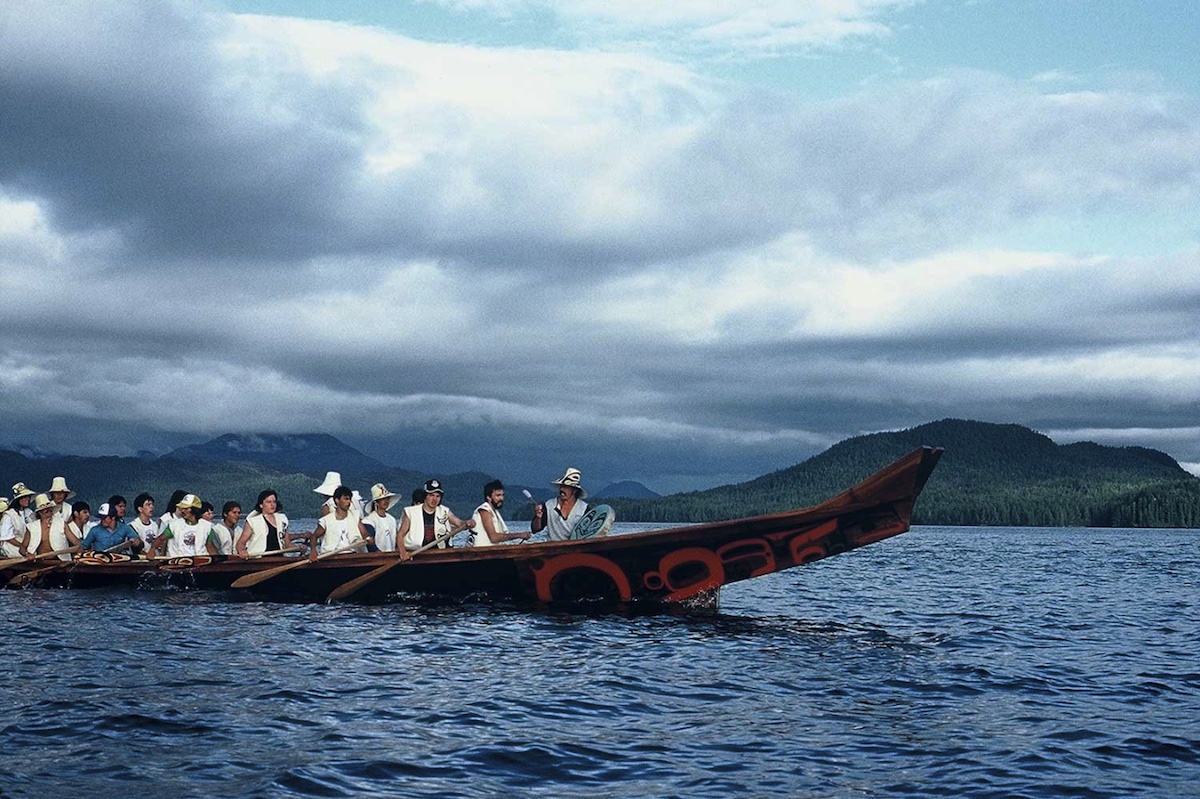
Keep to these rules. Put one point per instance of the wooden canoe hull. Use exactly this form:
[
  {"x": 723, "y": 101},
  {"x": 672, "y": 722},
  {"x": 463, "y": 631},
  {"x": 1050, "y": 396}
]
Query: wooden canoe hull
[{"x": 664, "y": 566}]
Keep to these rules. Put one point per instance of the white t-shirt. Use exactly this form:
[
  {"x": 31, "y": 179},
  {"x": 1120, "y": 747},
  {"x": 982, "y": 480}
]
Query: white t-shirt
[
  {"x": 188, "y": 540},
  {"x": 147, "y": 530},
  {"x": 385, "y": 530}
]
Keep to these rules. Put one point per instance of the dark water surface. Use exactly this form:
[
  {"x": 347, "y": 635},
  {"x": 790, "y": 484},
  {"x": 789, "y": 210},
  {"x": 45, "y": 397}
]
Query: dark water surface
[{"x": 946, "y": 662}]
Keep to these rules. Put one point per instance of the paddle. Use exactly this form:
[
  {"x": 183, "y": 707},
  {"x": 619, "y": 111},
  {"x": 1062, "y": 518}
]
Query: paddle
[
  {"x": 4, "y": 564},
  {"x": 351, "y": 586},
  {"x": 254, "y": 578},
  {"x": 26, "y": 577}
]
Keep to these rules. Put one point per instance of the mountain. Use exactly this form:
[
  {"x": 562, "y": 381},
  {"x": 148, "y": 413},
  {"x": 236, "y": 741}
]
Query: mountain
[
  {"x": 237, "y": 467},
  {"x": 311, "y": 453},
  {"x": 625, "y": 489},
  {"x": 991, "y": 474}
]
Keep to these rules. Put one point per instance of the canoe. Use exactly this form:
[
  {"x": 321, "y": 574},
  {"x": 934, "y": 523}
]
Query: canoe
[{"x": 673, "y": 565}]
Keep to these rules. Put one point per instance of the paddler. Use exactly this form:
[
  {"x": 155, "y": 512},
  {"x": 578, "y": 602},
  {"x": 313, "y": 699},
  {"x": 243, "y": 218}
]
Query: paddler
[
  {"x": 111, "y": 533},
  {"x": 266, "y": 528},
  {"x": 430, "y": 521},
  {"x": 326, "y": 488},
  {"x": 568, "y": 508},
  {"x": 59, "y": 492},
  {"x": 490, "y": 527},
  {"x": 42, "y": 531},
  {"x": 379, "y": 522},
  {"x": 342, "y": 527},
  {"x": 188, "y": 536},
  {"x": 14, "y": 532}
]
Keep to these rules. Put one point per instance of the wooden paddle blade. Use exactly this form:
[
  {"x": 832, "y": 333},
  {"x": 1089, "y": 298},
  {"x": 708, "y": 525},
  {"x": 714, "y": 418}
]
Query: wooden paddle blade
[
  {"x": 351, "y": 586},
  {"x": 254, "y": 578},
  {"x": 27, "y": 577}
]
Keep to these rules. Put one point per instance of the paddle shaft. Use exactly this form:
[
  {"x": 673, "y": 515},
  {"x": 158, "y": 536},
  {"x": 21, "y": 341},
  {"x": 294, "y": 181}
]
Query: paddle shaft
[
  {"x": 352, "y": 586},
  {"x": 4, "y": 564},
  {"x": 254, "y": 578},
  {"x": 29, "y": 576}
]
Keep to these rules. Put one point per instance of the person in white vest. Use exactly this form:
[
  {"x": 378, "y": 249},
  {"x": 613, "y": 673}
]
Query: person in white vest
[
  {"x": 490, "y": 527},
  {"x": 46, "y": 530},
  {"x": 568, "y": 508},
  {"x": 266, "y": 528},
  {"x": 188, "y": 535},
  {"x": 378, "y": 520},
  {"x": 77, "y": 524},
  {"x": 342, "y": 528},
  {"x": 430, "y": 521},
  {"x": 226, "y": 531},
  {"x": 14, "y": 526},
  {"x": 326, "y": 488},
  {"x": 59, "y": 492}
]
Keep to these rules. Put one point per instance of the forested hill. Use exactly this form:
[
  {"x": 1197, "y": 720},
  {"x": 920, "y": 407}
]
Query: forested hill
[{"x": 990, "y": 474}]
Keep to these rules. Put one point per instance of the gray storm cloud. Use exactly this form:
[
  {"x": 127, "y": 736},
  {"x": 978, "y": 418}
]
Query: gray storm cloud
[{"x": 315, "y": 225}]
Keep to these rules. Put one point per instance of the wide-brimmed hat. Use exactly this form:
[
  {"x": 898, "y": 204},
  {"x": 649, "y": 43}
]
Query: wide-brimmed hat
[
  {"x": 3, "y": 504},
  {"x": 572, "y": 478},
  {"x": 379, "y": 491},
  {"x": 190, "y": 501},
  {"x": 433, "y": 487},
  {"x": 20, "y": 490},
  {"x": 60, "y": 484},
  {"x": 43, "y": 502},
  {"x": 330, "y": 484}
]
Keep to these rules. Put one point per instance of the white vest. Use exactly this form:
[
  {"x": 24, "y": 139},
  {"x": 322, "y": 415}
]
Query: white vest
[
  {"x": 58, "y": 538},
  {"x": 75, "y": 531},
  {"x": 416, "y": 525},
  {"x": 35, "y": 535},
  {"x": 256, "y": 523},
  {"x": 339, "y": 533},
  {"x": 12, "y": 530},
  {"x": 558, "y": 528},
  {"x": 224, "y": 538},
  {"x": 479, "y": 536}
]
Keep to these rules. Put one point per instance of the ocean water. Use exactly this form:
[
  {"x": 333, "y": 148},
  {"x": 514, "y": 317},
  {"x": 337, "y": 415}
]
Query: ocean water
[{"x": 958, "y": 662}]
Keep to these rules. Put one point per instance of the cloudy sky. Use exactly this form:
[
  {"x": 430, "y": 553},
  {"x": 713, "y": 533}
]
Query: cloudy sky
[{"x": 680, "y": 243}]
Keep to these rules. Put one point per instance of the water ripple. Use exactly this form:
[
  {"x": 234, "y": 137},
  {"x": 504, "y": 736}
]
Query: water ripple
[{"x": 958, "y": 663}]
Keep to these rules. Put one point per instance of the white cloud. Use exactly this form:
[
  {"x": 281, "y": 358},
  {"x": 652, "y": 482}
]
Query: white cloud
[
  {"x": 359, "y": 225},
  {"x": 727, "y": 25}
]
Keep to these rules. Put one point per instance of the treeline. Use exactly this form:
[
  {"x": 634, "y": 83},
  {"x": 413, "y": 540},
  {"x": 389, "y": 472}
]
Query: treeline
[{"x": 991, "y": 474}]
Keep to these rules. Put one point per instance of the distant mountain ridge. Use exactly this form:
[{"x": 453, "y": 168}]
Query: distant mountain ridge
[
  {"x": 625, "y": 489},
  {"x": 991, "y": 474},
  {"x": 310, "y": 453}
]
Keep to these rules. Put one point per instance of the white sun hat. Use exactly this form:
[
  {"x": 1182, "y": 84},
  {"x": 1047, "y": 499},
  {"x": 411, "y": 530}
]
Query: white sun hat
[
  {"x": 42, "y": 502},
  {"x": 60, "y": 484},
  {"x": 572, "y": 478},
  {"x": 379, "y": 491},
  {"x": 330, "y": 484}
]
